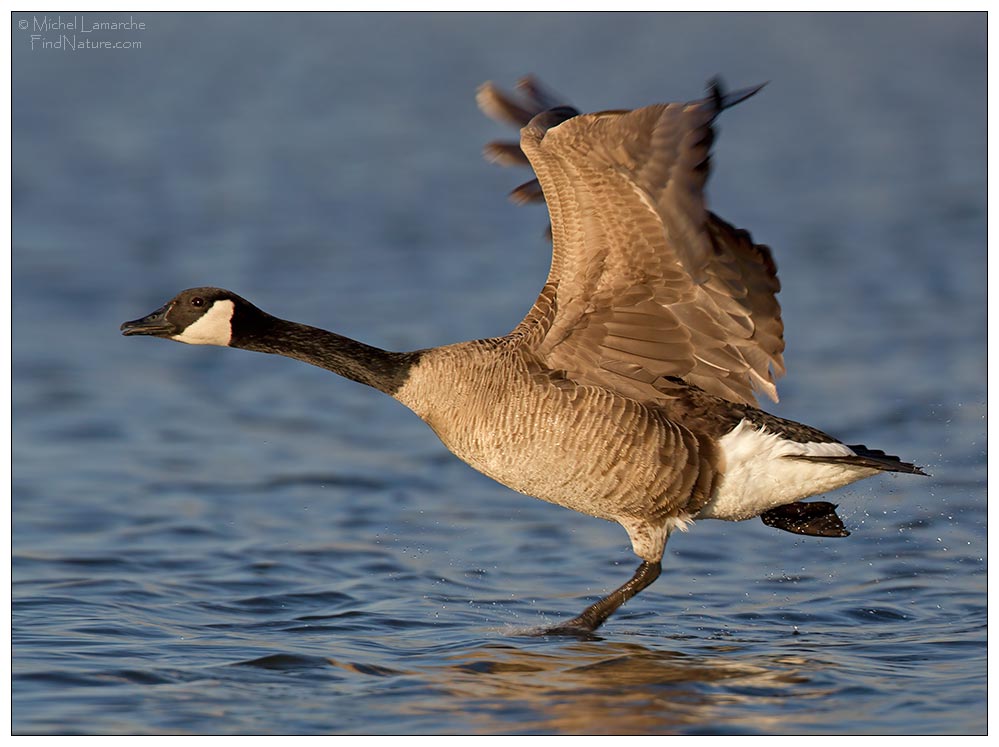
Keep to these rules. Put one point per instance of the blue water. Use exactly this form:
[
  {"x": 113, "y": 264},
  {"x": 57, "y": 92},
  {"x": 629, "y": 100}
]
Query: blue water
[{"x": 213, "y": 541}]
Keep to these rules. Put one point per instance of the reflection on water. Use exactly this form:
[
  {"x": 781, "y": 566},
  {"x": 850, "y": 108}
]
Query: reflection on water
[
  {"x": 594, "y": 688},
  {"x": 620, "y": 688}
]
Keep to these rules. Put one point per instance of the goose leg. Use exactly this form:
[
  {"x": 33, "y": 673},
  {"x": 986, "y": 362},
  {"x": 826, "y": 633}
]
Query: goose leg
[{"x": 595, "y": 615}]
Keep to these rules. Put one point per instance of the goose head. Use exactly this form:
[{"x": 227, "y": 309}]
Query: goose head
[
  {"x": 213, "y": 316},
  {"x": 199, "y": 316}
]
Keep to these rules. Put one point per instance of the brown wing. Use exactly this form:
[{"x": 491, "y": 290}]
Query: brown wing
[{"x": 645, "y": 282}]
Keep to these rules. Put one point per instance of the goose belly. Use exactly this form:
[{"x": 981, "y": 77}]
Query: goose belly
[
  {"x": 608, "y": 466},
  {"x": 759, "y": 472}
]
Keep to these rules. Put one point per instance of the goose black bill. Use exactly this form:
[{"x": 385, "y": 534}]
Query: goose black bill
[{"x": 155, "y": 324}]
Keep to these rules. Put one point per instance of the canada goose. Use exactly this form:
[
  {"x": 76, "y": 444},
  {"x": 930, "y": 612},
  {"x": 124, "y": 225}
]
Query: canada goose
[{"x": 627, "y": 392}]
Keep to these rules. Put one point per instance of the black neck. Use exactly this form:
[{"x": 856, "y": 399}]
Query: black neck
[{"x": 381, "y": 369}]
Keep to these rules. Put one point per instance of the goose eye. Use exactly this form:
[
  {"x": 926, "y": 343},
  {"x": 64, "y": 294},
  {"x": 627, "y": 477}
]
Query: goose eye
[{"x": 197, "y": 301}]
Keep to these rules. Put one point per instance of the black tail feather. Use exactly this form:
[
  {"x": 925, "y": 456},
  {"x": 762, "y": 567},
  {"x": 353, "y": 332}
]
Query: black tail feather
[{"x": 871, "y": 458}]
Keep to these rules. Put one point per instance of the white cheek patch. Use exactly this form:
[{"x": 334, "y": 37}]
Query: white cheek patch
[{"x": 213, "y": 328}]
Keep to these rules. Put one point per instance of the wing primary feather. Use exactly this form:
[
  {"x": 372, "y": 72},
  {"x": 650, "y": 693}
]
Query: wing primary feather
[
  {"x": 527, "y": 192},
  {"x": 539, "y": 97},
  {"x": 505, "y": 154},
  {"x": 497, "y": 105},
  {"x": 723, "y": 100},
  {"x": 550, "y": 118}
]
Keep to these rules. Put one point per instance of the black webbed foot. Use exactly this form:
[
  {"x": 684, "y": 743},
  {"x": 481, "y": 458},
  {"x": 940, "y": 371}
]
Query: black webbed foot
[{"x": 817, "y": 519}]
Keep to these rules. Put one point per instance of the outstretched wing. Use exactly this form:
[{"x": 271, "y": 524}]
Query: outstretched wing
[{"x": 645, "y": 283}]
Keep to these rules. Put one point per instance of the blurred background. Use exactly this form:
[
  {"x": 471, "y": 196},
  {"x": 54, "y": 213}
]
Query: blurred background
[{"x": 217, "y": 541}]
